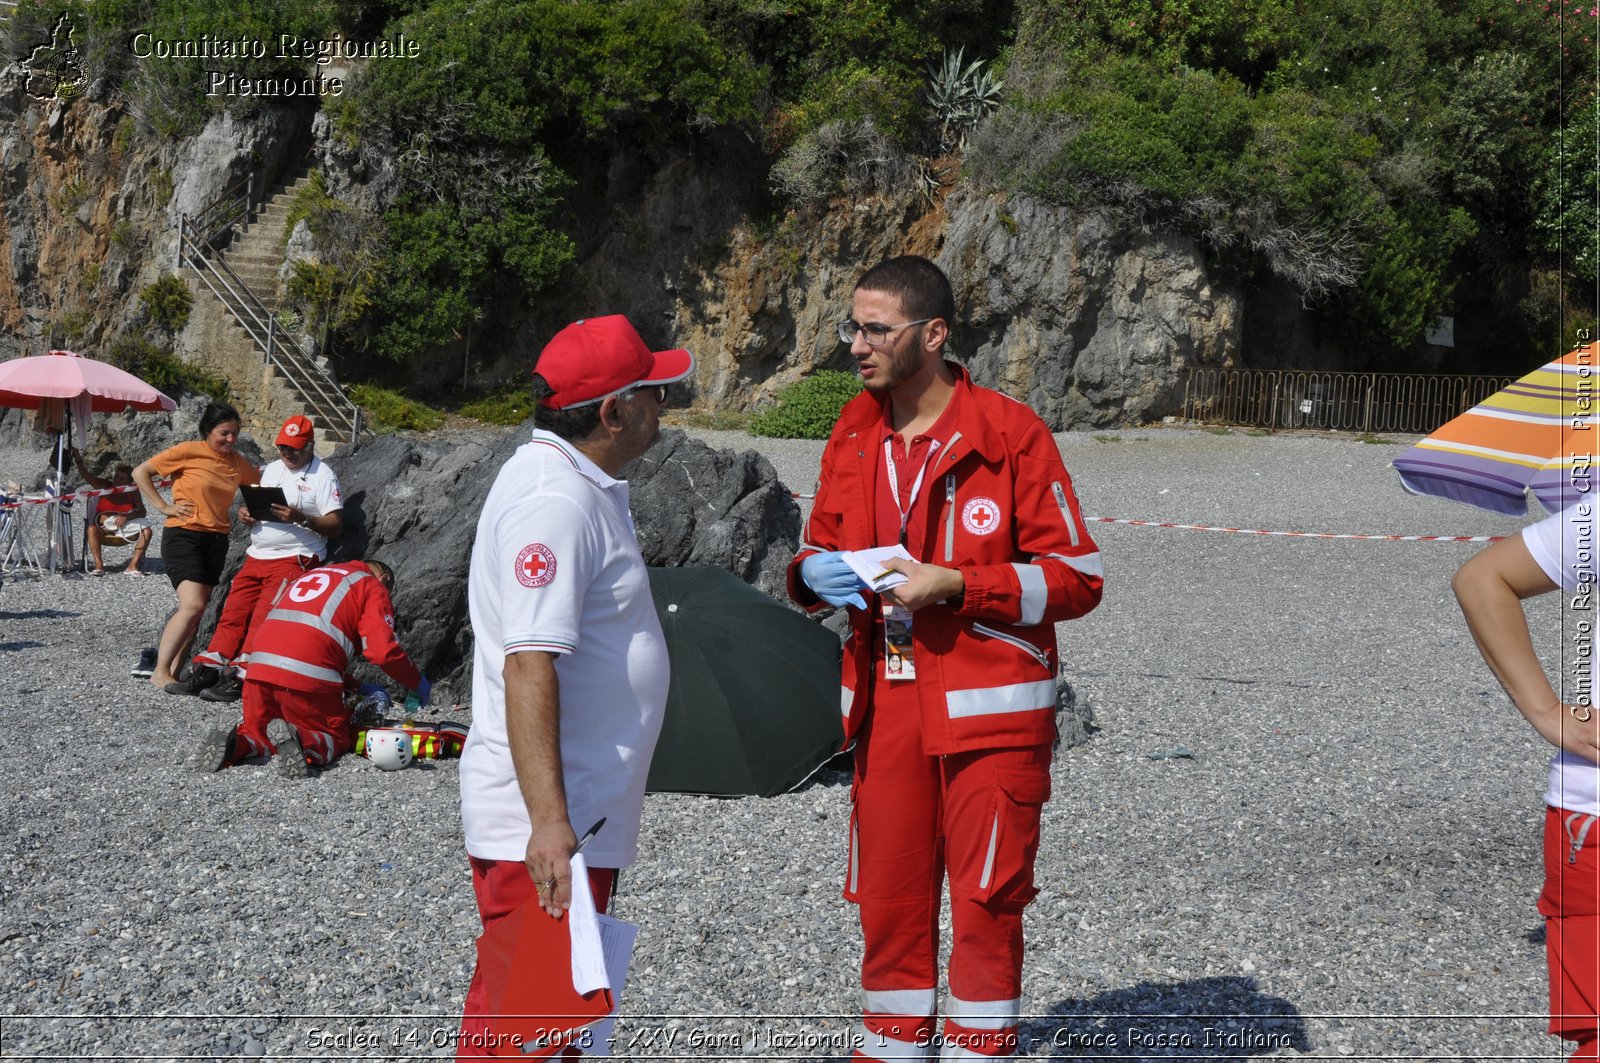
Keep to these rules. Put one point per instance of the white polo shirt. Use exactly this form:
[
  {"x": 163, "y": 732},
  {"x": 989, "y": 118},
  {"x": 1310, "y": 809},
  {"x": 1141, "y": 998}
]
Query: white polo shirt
[
  {"x": 556, "y": 568},
  {"x": 1563, "y": 545},
  {"x": 313, "y": 490}
]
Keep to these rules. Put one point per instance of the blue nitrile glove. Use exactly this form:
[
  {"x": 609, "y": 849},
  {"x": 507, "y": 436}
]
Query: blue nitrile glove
[
  {"x": 422, "y": 693},
  {"x": 833, "y": 580},
  {"x": 368, "y": 689}
]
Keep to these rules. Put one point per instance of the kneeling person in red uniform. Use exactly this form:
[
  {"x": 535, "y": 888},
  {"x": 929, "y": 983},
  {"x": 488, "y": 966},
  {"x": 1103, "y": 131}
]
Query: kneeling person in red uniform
[{"x": 294, "y": 693}]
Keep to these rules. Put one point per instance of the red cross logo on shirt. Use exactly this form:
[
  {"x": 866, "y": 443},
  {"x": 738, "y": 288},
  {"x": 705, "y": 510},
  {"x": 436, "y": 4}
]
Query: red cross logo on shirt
[
  {"x": 536, "y": 565},
  {"x": 980, "y": 516}
]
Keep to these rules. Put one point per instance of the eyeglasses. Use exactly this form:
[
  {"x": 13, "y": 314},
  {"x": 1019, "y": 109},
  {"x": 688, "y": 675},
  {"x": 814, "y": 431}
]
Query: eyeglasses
[
  {"x": 875, "y": 334},
  {"x": 658, "y": 390}
]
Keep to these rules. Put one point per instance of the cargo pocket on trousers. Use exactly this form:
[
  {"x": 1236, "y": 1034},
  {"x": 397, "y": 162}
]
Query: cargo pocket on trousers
[{"x": 1006, "y": 876}]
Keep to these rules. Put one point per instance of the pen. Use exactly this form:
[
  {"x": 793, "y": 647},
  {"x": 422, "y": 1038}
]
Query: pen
[
  {"x": 592, "y": 831},
  {"x": 550, "y": 883}
]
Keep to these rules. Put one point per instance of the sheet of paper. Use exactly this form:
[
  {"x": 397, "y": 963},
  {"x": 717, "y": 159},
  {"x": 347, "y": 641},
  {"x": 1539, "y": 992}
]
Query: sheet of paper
[
  {"x": 868, "y": 564},
  {"x": 588, "y": 954},
  {"x": 617, "y": 937}
]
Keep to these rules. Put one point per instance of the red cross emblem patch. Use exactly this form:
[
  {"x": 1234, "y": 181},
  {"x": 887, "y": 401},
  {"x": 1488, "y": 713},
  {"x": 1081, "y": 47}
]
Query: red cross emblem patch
[
  {"x": 980, "y": 516},
  {"x": 536, "y": 565}
]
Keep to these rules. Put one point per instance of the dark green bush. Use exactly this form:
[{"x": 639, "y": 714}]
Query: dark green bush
[
  {"x": 511, "y": 405},
  {"x": 808, "y": 408},
  {"x": 165, "y": 371},
  {"x": 387, "y": 410},
  {"x": 168, "y": 301}
]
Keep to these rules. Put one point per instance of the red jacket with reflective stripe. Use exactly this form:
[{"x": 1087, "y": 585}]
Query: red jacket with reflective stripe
[
  {"x": 1001, "y": 509},
  {"x": 318, "y": 625}
]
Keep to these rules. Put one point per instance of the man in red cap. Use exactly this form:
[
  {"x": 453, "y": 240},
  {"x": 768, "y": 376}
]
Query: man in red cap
[
  {"x": 281, "y": 550},
  {"x": 569, "y": 677}
]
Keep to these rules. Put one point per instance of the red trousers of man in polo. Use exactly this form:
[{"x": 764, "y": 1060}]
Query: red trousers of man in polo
[
  {"x": 319, "y": 717},
  {"x": 916, "y": 819},
  {"x": 250, "y": 596},
  {"x": 1570, "y": 904},
  {"x": 501, "y": 887}
]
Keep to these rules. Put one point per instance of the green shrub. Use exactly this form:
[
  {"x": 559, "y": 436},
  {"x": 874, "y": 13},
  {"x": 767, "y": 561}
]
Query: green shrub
[
  {"x": 808, "y": 409},
  {"x": 511, "y": 405},
  {"x": 168, "y": 302},
  {"x": 308, "y": 204},
  {"x": 163, "y": 370},
  {"x": 389, "y": 411}
]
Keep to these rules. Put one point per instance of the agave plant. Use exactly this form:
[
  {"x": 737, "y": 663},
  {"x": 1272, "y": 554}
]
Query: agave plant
[{"x": 961, "y": 95}]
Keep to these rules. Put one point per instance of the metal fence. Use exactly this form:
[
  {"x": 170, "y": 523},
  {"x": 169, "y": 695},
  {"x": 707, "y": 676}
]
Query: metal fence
[{"x": 1414, "y": 403}]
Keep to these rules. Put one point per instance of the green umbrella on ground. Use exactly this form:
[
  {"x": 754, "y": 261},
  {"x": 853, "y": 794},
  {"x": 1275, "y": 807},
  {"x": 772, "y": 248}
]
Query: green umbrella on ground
[{"x": 754, "y": 703}]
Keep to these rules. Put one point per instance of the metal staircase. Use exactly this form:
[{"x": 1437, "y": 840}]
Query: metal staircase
[{"x": 236, "y": 246}]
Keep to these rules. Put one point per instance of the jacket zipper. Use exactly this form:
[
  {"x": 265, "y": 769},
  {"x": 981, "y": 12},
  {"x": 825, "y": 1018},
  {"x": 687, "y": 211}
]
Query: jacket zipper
[
  {"x": 1022, "y": 644},
  {"x": 950, "y": 517},
  {"x": 1066, "y": 512}
]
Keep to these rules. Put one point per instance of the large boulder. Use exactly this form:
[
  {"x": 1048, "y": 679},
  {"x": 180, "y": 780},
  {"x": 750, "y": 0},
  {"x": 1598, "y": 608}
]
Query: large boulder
[
  {"x": 1088, "y": 322},
  {"x": 413, "y": 503}
]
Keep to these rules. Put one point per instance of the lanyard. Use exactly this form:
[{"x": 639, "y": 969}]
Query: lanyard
[{"x": 916, "y": 486}]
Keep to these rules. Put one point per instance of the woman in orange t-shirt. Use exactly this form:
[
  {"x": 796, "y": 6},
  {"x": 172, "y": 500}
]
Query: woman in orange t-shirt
[{"x": 194, "y": 543}]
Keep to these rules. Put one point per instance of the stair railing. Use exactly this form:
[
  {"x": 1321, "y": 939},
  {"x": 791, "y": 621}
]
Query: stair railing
[{"x": 263, "y": 326}]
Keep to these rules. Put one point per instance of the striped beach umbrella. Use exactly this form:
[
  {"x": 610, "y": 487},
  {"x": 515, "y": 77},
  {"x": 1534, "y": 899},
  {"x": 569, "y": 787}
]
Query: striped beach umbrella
[{"x": 1538, "y": 434}]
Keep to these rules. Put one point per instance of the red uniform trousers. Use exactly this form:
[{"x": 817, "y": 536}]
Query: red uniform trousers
[
  {"x": 319, "y": 717},
  {"x": 1570, "y": 904},
  {"x": 501, "y": 887},
  {"x": 916, "y": 818},
  {"x": 250, "y": 596}
]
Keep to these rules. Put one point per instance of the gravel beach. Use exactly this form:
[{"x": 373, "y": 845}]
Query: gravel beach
[{"x": 1306, "y": 824}]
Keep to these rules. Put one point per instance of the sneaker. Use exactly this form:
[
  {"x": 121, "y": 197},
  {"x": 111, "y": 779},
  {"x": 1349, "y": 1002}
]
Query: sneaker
[
  {"x": 291, "y": 756},
  {"x": 217, "y": 747},
  {"x": 228, "y": 688},
  {"x": 196, "y": 679},
  {"x": 146, "y": 666}
]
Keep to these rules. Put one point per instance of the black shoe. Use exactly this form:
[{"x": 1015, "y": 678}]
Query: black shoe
[
  {"x": 146, "y": 666},
  {"x": 216, "y": 748},
  {"x": 228, "y": 688},
  {"x": 291, "y": 755},
  {"x": 198, "y": 678}
]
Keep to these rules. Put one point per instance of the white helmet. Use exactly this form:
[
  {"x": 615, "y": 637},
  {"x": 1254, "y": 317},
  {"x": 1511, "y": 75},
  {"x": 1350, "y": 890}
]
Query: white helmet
[{"x": 389, "y": 748}]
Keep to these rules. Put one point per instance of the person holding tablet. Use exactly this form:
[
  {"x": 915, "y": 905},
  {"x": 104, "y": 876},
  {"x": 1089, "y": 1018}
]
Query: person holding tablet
[{"x": 281, "y": 550}]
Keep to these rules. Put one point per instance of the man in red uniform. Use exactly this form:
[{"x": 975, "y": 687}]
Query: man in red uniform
[
  {"x": 952, "y": 750},
  {"x": 293, "y": 696}
]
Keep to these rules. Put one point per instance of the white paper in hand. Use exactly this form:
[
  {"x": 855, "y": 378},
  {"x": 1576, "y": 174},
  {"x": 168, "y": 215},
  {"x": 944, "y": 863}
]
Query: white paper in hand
[
  {"x": 588, "y": 955},
  {"x": 868, "y": 564},
  {"x": 617, "y": 937}
]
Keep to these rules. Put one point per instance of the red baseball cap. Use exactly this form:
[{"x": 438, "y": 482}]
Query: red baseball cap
[
  {"x": 593, "y": 359},
  {"x": 297, "y": 432}
]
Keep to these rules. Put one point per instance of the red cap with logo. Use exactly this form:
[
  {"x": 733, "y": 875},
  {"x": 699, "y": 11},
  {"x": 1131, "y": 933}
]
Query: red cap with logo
[
  {"x": 296, "y": 432},
  {"x": 593, "y": 359}
]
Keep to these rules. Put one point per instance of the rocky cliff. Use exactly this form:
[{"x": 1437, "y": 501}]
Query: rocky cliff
[{"x": 1089, "y": 322}]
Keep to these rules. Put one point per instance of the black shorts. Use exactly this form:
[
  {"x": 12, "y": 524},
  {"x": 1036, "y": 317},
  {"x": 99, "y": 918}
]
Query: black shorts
[{"x": 196, "y": 556}]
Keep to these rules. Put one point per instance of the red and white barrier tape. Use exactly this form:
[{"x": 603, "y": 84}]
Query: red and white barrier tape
[
  {"x": 93, "y": 492},
  {"x": 1288, "y": 534},
  {"x": 1304, "y": 535}
]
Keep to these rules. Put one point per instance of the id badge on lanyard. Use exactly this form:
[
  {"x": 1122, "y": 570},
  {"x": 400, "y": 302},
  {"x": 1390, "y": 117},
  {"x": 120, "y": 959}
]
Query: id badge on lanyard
[{"x": 899, "y": 654}]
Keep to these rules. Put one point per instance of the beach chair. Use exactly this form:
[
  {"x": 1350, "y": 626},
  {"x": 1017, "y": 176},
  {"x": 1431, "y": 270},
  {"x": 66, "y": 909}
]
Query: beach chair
[{"x": 127, "y": 539}]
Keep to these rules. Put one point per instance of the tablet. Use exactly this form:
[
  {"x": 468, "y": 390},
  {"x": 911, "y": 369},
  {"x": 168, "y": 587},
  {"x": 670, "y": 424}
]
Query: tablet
[{"x": 260, "y": 500}]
